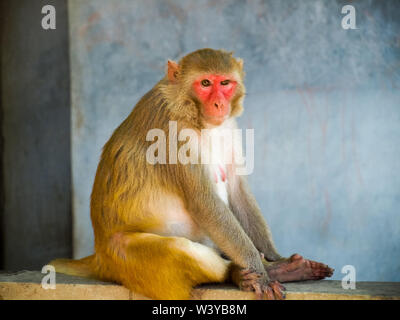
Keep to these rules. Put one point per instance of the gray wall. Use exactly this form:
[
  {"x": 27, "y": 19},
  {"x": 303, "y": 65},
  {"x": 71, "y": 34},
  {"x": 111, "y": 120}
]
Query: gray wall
[
  {"x": 35, "y": 100},
  {"x": 324, "y": 103}
]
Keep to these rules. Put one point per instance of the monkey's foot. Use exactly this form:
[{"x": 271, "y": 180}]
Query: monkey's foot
[
  {"x": 296, "y": 268},
  {"x": 253, "y": 281}
]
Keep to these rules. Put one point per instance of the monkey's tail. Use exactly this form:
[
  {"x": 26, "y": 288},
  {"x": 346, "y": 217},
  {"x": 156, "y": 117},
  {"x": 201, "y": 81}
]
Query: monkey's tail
[{"x": 82, "y": 267}]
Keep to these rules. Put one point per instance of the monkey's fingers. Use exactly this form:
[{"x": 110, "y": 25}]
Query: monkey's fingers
[
  {"x": 258, "y": 291},
  {"x": 248, "y": 285},
  {"x": 248, "y": 274},
  {"x": 280, "y": 285},
  {"x": 274, "y": 291},
  {"x": 255, "y": 286},
  {"x": 268, "y": 293}
]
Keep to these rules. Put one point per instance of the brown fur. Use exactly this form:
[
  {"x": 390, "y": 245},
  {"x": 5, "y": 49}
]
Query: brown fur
[{"x": 168, "y": 266}]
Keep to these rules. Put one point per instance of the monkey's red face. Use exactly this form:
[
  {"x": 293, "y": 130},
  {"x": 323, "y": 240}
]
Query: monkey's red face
[{"x": 215, "y": 93}]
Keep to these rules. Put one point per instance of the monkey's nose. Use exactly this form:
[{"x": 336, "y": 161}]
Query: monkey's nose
[{"x": 217, "y": 105}]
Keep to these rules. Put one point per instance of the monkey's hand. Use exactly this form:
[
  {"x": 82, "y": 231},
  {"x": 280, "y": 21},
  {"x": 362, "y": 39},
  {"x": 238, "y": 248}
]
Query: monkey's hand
[{"x": 260, "y": 283}]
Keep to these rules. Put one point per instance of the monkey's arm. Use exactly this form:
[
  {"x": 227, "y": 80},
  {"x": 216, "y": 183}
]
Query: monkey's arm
[
  {"x": 215, "y": 217},
  {"x": 244, "y": 206}
]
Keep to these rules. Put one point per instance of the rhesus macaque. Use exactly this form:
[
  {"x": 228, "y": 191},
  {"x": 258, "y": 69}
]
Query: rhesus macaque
[{"x": 161, "y": 229}]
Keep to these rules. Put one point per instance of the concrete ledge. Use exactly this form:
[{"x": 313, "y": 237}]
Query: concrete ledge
[{"x": 26, "y": 285}]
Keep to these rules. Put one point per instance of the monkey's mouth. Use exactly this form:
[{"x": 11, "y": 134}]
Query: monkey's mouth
[{"x": 215, "y": 121}]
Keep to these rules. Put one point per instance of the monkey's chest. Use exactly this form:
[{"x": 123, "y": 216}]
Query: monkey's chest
[
  {"x": 219, "y": 177},
  {"x": 218, "y": 153}
]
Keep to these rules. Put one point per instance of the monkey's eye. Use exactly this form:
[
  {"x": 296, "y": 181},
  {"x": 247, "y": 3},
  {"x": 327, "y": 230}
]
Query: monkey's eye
[
  {"x": 225, "y": 82},
  {"x": 205, "y": 83}
]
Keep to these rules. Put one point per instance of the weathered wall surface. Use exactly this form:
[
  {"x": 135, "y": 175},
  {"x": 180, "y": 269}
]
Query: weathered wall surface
[
  {"x": 35, "y": 101},
  {"x": 324, "y": 103}
]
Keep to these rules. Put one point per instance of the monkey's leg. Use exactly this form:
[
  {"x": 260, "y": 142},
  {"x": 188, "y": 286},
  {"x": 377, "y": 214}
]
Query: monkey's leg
[
  {"x": 296, "y": 268},
  {"x": 161, "y": 267}
]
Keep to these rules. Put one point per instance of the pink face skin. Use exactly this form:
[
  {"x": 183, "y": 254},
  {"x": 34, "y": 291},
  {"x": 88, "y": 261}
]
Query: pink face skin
[{"x": 215, "y": 92}]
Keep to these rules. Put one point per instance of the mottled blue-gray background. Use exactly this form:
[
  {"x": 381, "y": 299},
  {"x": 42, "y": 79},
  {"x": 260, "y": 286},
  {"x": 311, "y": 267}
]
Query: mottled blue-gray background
[{"x": 324, "y": 103}]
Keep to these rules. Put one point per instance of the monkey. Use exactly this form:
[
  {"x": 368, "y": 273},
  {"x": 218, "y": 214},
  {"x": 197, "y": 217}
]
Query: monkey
[{"x": 162, "y": 228}]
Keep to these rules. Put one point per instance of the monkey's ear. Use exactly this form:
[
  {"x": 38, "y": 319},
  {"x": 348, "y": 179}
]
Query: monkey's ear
[
  {"x": 172, "y": 71},
  {"x": 240, "y": 62}
]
